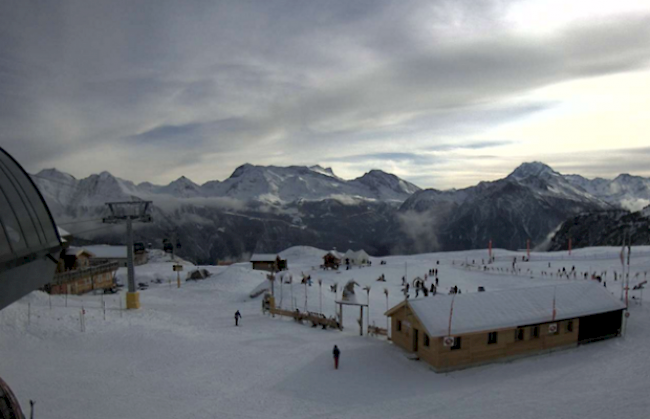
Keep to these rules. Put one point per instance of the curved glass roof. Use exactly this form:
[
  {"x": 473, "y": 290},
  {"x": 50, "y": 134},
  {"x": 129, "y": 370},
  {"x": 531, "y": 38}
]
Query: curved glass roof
[{"x": 27, "y": 230}]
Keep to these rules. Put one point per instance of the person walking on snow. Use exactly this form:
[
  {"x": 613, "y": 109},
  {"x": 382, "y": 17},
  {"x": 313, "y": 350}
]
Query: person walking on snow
[
  {"x": 237, "y": 317},
  {"x": 336, "y": 354}
]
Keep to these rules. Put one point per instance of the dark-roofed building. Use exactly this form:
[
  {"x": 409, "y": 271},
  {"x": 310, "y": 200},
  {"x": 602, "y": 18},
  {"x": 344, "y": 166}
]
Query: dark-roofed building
[
  {"x": 500, "y": 325},
  {"x": 268, "y": 262},
  {"x": 29, "y": 241}
]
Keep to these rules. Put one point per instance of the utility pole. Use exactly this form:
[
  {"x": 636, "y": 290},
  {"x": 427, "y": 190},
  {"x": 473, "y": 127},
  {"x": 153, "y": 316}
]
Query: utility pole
[{"x": 128, "y": 212}]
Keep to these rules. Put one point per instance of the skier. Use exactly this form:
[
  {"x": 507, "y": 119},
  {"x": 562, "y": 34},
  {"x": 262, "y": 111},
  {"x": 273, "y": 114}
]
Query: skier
[
  {"x": 237, "y": 317},
  {"x": 436, "y": 281},
  {"x": 336, "y": 354}
]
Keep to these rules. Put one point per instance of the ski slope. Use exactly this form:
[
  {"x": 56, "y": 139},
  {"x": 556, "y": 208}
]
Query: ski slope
[{"x": 180, "y": 356}]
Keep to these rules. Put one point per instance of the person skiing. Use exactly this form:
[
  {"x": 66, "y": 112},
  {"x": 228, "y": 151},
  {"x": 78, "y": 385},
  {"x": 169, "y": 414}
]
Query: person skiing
[
  {"x": 237, "y": 317},
  {"x": 336, "y": 352}
]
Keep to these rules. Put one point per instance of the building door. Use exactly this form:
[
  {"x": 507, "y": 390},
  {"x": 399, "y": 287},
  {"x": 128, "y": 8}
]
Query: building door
[
  {"x": 599, "y": 326},
  {"x": 416, "y": 336}
]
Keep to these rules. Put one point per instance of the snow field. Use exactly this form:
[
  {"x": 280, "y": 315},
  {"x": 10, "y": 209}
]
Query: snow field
[{"x": 181, "y": 356}]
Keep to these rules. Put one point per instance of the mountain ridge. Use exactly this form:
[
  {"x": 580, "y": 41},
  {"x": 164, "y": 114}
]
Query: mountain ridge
[{"x": 266, "y": 208}]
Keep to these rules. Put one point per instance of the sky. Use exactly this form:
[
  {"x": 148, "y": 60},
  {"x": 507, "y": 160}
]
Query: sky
[{"x": 443, "y": 93}]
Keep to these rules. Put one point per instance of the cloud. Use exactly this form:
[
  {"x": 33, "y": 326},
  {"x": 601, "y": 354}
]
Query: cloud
[{"x": 157, "y": 89}]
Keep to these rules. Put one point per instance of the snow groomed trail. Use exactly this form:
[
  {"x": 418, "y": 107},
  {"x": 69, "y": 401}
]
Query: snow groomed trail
[{"x": 181, "y": 356}]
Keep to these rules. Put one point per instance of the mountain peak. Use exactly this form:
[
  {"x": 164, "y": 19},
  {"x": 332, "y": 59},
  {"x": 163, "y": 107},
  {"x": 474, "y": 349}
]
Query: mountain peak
[
  {"x": 535, "y": 169},
  {"x": 379, "y": 180},
  {"x": 105, "y": 175},
  {"x": 183, "y": 180},
  {"x": 55, "y": 174},
  {"x": 327, "y": 171},
  {"x": 241, "y": 170}
]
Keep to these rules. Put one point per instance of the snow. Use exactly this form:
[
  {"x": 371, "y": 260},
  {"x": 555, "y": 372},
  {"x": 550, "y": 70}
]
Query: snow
[
  {"x": 181, "y": 356},
  {"x": 507, "y": 308},
  {"x": 63, "y": 234}
]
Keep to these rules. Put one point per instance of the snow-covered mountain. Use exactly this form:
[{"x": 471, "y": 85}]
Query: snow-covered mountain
[
  {"x": 630, "y": 192},
  {"x": 256, "y": 209},
  {"x": 180, "y": 188},
  {"x": 265, "y": 208},
  {"x": 528, "y": 204},
  {"x": 268, "y": 184},
  {"x": 274, "y": 184}
]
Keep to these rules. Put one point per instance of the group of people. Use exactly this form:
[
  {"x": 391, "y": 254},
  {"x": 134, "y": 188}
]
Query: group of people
[{"x": 420, "y": 286}]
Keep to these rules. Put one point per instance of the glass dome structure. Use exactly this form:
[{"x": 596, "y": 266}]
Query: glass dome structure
[{"x": 29, "y": 240}]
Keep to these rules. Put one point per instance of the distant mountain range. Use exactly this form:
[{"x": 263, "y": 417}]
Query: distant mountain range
[{"x": 269, "y": 208}]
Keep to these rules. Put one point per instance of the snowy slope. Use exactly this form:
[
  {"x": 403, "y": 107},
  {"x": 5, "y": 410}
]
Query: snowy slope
[{"x": 181, "y": 356}]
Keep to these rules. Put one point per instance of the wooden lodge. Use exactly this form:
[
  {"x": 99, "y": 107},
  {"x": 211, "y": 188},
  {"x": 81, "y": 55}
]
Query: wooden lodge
[
  {"x": 268, "y": 262},
  {"x": 332, "y": 260},
  {"x": 77, "y": 273},
  {"x": 502, "y": 325}
]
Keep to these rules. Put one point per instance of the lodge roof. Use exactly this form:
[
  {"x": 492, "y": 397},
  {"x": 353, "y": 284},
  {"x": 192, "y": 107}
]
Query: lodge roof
[
  {"x": 265, "y": 257},
  {"x": 334, "y": 253},
  {"x": 509, "y": 308}
]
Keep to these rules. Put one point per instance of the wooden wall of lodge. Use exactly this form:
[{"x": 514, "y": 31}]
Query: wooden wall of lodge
[
  {"x": 84, "y": 284},
  {"x": 269, "y": 266},
  {"x": 263, "y": 266},
  {"x": 475, "y": 349}
]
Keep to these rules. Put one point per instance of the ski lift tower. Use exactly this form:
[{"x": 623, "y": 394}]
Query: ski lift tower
[{"x": 128, "y": 212}]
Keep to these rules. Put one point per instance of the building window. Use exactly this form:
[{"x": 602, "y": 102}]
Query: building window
[
  {"x": 456, "y": 344},
  {"x": 519, "y": 334},
  {"x": 569, "y": 326},
  {"x": 534, "y": 332},
  {"x": 426, "y": 340},
  {"x": 492, "y": 338},
  {"x": 399, "y": 325}
]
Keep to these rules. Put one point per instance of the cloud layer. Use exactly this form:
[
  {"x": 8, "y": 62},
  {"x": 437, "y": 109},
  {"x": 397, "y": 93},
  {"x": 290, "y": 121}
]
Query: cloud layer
[{"x": 440, "y": 92}]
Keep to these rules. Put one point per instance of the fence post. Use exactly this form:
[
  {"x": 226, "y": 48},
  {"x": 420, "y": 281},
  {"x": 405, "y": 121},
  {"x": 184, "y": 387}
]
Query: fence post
[{"x": 81, "y": 320}]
